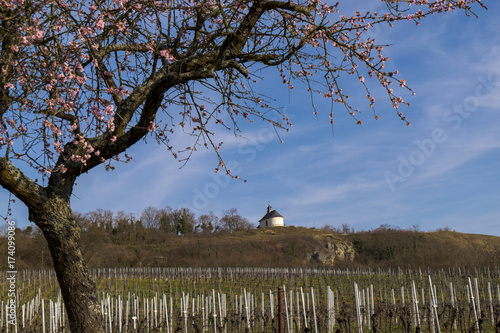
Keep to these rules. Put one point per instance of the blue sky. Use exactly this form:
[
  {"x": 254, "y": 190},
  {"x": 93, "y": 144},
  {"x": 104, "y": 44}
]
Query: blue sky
[{"x": 442, "y": 171}]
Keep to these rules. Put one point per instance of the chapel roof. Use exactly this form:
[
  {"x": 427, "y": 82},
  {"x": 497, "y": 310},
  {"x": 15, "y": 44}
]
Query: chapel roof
[{"x": 270, "y": 214}]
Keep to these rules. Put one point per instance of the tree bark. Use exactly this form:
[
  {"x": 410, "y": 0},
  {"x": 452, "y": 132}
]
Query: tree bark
[{"x": 79, "y": 291}]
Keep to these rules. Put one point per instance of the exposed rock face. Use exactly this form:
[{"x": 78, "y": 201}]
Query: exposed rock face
[{"x": 334, "y": 250}]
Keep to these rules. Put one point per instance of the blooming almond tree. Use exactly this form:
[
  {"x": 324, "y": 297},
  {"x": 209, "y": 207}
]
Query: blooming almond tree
[{"x": 82, "y": 81}]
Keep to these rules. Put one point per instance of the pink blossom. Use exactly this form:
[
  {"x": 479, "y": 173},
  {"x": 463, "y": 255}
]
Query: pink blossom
[
  {"x": 65, "y": 67},
  {"x": 78, "y": 67},
  {"x": 84, "y": 31},
  {"x": 62, "y": 168},
  {"x": 38, "y": 34},
  {"x": 166, "y": 55},
  {"x": 81, "y": 79},
  {"x": 110, "y": 125},
  {"x": 95, "y": 110},
  {"x": 89, "y": 147},
  {"x": 61, "y": 78},
  {"x": 99, "y": 24},
  {"x": 152, "y": 126},
  {"x": 121, "y": 26},
  {"x": 109, "y": 110}
]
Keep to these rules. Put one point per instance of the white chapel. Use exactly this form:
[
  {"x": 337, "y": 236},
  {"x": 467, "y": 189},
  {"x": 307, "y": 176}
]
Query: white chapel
[{"x": 271, "y": 219}]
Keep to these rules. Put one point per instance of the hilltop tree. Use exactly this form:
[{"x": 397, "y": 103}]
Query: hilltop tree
[
  {"x": 232, "y": 221},
  {"x": 150, "y": 217},
  {"x": 184, "y": 221},
  {"x": 176, "y": 221},
  {"x": 83, "y": 81},
  {"x": 207, "y": 223}
]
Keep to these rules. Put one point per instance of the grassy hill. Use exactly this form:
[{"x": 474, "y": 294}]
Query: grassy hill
[
  {"x": 425, "y": 249},
  {"x": 277, "y": 247}
]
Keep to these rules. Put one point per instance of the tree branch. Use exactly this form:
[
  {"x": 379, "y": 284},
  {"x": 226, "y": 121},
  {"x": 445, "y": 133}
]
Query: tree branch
[
  {"x": 236, "y": 65},
  {"x": 234, "y": 42},
  {"x": 59, "y": 114},
  {"x": 109, "y": 149},
  {"x": 16, "y": 182}
]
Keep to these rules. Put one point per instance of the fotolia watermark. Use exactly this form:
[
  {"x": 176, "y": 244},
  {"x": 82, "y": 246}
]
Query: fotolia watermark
[
  {"x": 219, "y": 181},
  {"x": 427, "y": 146}
]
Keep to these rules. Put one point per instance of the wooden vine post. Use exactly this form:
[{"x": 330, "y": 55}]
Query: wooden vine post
[{"x": 281, "y": 316}]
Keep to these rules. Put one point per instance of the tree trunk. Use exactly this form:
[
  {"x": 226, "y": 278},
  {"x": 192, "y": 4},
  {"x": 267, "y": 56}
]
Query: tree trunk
[{"x": 79, "y": 292}]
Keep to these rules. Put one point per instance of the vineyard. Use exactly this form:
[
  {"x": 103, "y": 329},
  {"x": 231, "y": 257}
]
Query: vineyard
[{"x": 269, "y": 300}]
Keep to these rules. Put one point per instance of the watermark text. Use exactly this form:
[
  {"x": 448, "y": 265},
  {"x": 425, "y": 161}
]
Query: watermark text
[{"x": 11, "y": 305}]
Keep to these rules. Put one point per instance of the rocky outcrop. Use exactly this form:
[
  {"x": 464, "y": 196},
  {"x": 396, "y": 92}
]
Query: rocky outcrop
[{"x": 333, "y": 251}]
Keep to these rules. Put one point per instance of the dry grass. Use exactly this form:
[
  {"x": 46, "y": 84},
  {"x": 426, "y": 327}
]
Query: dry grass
[{"x": 276, "y": 247}]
